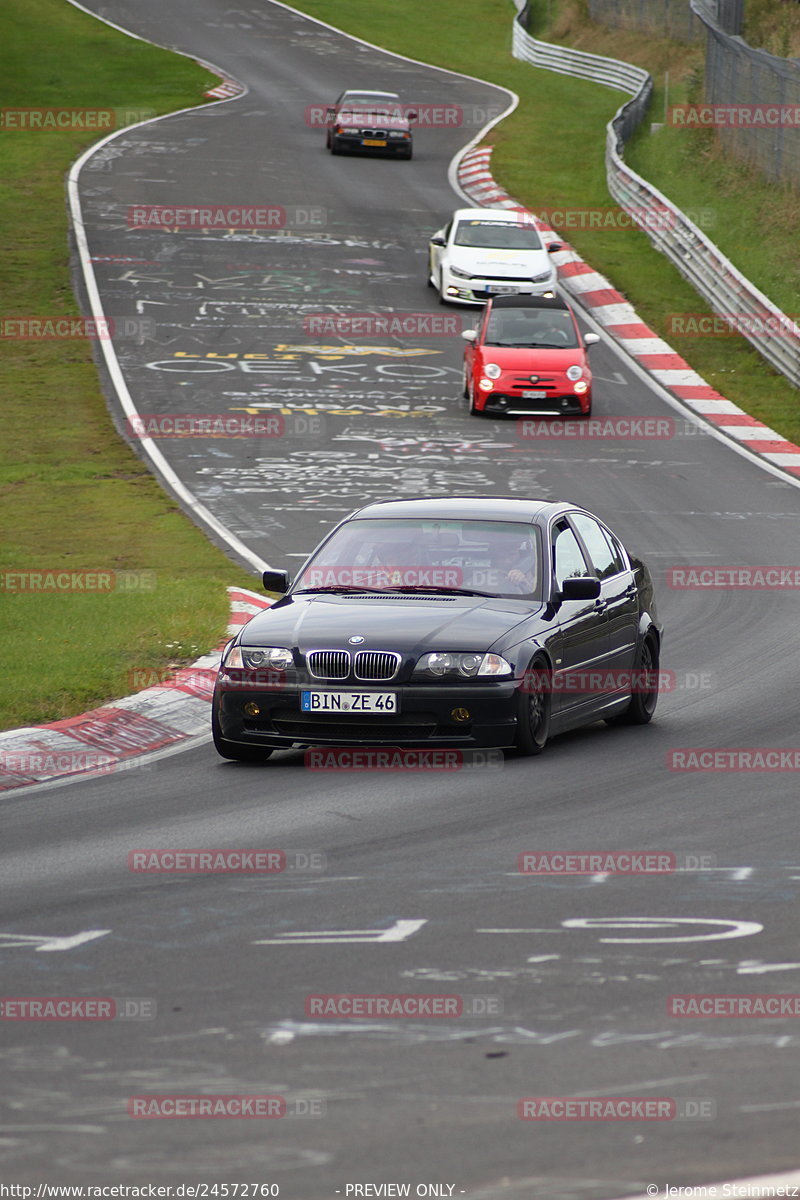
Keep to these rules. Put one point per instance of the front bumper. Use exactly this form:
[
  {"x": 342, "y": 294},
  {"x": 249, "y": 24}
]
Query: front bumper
[
  {"x": 425, "y": 717},
  {"x": 354, "y": 142},
  {"x": 511, "y": 404},
  {"x": 462, "y": 291}
]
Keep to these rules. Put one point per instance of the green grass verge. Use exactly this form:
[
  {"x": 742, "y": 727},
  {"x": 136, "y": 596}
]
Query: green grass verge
[
  {"x": 72, "y": 493},
  {"x": 549, "y": 153}
]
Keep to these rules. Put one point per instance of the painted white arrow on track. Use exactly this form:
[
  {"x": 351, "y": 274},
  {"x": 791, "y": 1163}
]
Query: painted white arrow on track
[
  {"x": 9, "y": 940},
  {"x": 319, "y": 937}
]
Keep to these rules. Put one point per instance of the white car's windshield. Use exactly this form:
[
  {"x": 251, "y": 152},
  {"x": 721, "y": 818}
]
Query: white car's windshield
[
  {"x": 546, "y": 327},
  {"x": 497, "y": 235},
  {"x": 496, "y": 558}
]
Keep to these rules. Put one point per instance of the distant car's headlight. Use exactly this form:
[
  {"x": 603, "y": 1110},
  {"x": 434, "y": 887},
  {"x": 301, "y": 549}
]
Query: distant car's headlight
[
  {"x": 398, "y": 133},
  {"x": 459, "y": 274},
  {"x": 574, "y": 373},
  {"x": 441, "y": 664},
  {"x": 275, "y": 658},
  {"x": 342, "y": 129},
  {"x": 543, "y": 277}
]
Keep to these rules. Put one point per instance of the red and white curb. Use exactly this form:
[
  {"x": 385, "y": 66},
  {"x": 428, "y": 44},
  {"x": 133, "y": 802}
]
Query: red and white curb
[
  {"x": 611, "y": 310},
  {"x": 107, "y": 739},
  {"x": 226, "y": 90}
]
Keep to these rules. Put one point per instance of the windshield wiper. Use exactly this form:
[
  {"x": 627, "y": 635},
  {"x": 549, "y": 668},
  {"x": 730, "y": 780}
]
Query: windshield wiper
[
  {"x": 340, "y": 587},
  {"x": 418, "y": 587}
]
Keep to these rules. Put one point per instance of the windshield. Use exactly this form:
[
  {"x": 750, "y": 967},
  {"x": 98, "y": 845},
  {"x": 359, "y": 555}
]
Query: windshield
[
  {"x": 497, "y": 235},
  {"x": 495, "y": 558},
  {"x": 551, "y": 327},
  {"x": 385, "y": 106}
]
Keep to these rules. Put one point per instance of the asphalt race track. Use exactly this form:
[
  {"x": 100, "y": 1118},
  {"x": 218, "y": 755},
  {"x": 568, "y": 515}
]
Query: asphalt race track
[{"x": 575, "y": 1002}]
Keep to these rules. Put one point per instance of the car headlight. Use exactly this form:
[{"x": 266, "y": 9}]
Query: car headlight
[
  {"x": 574, "y": 373},
  {"x": 459, "y": 274},
  {"x": 441, "y": 664},
  {"x": 343, "y": 129},
  {"x": 543, "y": 277},
  {"x": 492, "y": 370},
  {"x": 398, "y": 133},
  {"x": 250, "y": 658}
]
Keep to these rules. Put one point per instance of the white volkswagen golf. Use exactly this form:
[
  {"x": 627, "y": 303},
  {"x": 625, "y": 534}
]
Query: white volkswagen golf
[{"x": 483, "y": 252}]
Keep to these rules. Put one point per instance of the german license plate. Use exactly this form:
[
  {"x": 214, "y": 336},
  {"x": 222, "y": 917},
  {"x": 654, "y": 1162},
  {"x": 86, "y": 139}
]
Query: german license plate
[
  {"x": 534, "y": 395},
  {"x": 374, "y": 142},
  {"x": 501, "y": 290},
  {"x": 350, "y": 703}
]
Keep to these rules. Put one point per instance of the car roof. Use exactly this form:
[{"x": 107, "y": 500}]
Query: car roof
[
  {"x": 511, "y": 216},
  {"x": 529, "y": 302},
  {"x": 469, "y": 508}
]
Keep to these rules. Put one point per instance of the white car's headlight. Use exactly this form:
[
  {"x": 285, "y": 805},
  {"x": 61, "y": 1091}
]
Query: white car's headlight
[
  {"x": 459, "y": 274},
  {"x": 543, "y": 277},
  {"x": 574, "y": 373},
  {"x": 492, "y": 370},
  {"x": 453, "y": 664}
]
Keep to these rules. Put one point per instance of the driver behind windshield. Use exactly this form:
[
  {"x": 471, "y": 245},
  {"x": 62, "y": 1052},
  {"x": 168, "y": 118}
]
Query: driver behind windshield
[{"x": 551, "y": 327}]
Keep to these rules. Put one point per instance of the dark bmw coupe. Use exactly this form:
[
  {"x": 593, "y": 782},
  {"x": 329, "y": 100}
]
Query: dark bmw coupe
[{"x": 467, "y": 621}]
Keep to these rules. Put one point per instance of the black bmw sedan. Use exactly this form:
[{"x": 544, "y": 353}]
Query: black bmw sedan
[{"x": 465, "y": 621}]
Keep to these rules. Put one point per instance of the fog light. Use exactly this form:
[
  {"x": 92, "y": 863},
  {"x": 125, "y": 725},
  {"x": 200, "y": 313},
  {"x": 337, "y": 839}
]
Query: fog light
[
  {"x": 486, "y": 385},
  {"x": 460, "y": 714},
  {"x": 251, "y": 709},
  {"x": 581, "y": 387}
]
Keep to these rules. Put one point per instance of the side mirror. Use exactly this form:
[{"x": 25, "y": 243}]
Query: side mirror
[
  {"x": 554, "y": 247},
  {"x": 276, "y": 581},
  {"x": 438, "y": 240},
  {"x": 586, "y": 587},
  {"x": 591, "y": 339},
  {"x": 331, "y": 111},
  {"x": 412, "y": 115},
  {"x": 469, "y": 335}
]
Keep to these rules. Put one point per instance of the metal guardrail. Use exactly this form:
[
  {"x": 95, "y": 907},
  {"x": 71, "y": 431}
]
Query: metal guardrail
[{"x": 749, "y": 312}]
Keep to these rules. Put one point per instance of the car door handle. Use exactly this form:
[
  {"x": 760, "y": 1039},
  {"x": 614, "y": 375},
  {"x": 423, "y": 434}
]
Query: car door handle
[{"x": 600, "y": 605}]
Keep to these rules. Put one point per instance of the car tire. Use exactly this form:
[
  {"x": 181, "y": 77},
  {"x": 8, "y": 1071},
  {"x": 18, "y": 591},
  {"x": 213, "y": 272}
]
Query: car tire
[
  {"x": 642, "y": 705},
  {"x": 534, "y": 701},
  {"x": 234, "y": 750},
  {"x": 473, "y": 410}
]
